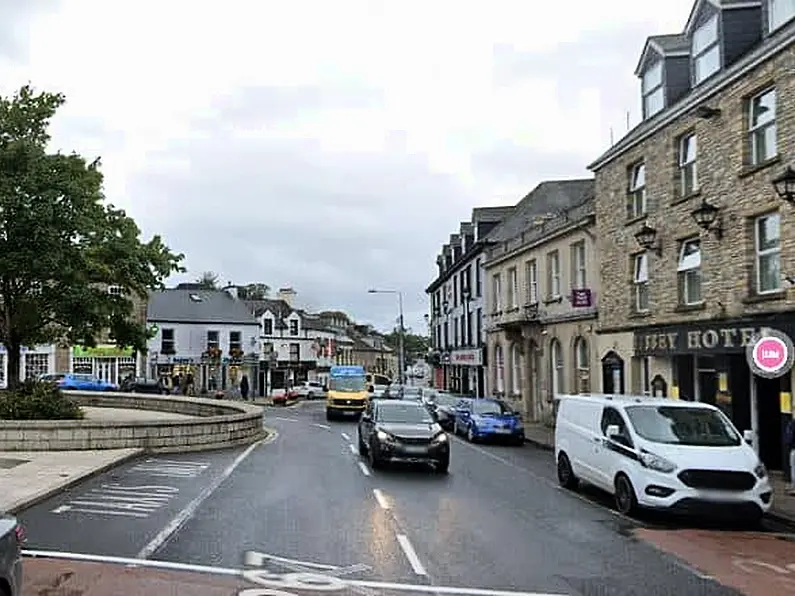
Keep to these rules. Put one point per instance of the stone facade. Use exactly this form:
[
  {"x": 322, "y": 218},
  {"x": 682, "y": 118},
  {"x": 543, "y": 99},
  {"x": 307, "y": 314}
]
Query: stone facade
[{"x": 539, "y": 338}]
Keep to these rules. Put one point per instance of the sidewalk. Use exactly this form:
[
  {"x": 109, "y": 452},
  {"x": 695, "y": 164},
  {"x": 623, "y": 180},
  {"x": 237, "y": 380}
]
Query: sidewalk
[
  {"x": 29, "y": 477},
  {"x": 543, "y": 437}
]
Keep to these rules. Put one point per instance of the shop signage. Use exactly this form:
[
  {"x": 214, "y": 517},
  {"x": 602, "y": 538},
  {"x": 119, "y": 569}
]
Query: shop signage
[
  {"x": 466, "y": 358},
  {"x": 102, "y": 352},
  {"x": 701, "y": 338},
  {"x": 771, "y": 354},
  {"x": 581, "y": 298}
]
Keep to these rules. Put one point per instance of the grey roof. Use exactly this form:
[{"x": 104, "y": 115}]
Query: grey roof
[
  {"x": 720, "y": 5},
  {"x": 549, "y": 198},
  {"x": 277, "y": 307},
  {"x": 491, "y": 214},
  {"x": 212, "y": 306},
  {"x": 664, "y": 45}
]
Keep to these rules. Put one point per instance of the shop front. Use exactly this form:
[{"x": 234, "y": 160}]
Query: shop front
[
  {"x": 107, "y": 362},
  {"x": 708, "y": 362},
  {"x": 466, "y": 371},
  {"x": 33, "y": 362}
]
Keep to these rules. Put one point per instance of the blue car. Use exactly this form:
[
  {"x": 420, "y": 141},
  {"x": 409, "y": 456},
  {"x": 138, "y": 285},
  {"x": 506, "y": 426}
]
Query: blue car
[
  {"x": 488, "y": 419},
  {"x": 78, "y": 382}
]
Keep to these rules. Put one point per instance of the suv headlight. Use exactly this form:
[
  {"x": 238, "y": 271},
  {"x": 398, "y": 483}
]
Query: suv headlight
[
  {"x": 760, "y": 471},
  {"x": 657, "y": 463},
  {"x": 384, "y": 437},
  {"x": 440, "y": 438}
]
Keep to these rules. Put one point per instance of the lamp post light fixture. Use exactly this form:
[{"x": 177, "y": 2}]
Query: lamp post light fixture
[
  {"x": 707, "y": 216},
  {"x": 645, "y": 238},
  {"x": 401, "y": 332},
  {"x": 785, "y": 185}
]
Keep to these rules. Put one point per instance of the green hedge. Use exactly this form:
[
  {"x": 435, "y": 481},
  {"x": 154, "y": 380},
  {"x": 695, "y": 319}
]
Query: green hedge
[{"x": 38, "y": 401}]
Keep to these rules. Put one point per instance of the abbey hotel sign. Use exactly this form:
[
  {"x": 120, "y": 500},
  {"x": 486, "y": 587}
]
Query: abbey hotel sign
[{"x": 716, "y": 337}]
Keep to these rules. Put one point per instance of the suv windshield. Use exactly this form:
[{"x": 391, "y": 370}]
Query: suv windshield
[
  {"x": 404, "y": 414},
  {"x": 490, "y": 408},
  {"x": 683, "y": 426}
]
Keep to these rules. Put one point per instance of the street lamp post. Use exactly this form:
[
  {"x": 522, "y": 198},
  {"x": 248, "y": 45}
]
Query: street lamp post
[{"x": 401, "y": 332}]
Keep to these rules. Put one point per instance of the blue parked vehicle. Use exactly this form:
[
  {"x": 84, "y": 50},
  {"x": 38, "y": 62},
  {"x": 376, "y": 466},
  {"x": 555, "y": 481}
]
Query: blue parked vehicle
[
  {"x": 78, "y": 382},
  {"x": 488, "y": 418}
]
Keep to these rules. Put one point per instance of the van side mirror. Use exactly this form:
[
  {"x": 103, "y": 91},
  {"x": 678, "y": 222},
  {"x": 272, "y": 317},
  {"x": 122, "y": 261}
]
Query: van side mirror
[
  {"x": 366, "y": 418},
  {"x": 371, "y": 389},
  {"x": 748, "y": 436},
  {"x": 613, "y": 432}
]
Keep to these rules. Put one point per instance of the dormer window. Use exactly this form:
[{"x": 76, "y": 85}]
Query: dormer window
[
  {"x": 780, "y": 12},
  {"x": 267, "y": 326},
  {"x": 293, "y": 327},
  {"x": 652, "y": 88},
  {"x": 706, "y": 50}
]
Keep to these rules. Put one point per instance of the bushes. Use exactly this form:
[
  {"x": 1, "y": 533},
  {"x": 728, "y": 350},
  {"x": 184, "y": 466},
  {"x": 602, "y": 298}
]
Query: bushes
[{"x": 38, "y": 401}]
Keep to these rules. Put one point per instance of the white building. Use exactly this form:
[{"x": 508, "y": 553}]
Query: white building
[
  {"x": 210, "y": 333},
  {"x": 33, "y": 362}
]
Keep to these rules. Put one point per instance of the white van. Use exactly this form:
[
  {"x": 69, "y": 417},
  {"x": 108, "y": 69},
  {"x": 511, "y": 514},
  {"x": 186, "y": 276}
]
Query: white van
[{"x": 659, "y": 453}]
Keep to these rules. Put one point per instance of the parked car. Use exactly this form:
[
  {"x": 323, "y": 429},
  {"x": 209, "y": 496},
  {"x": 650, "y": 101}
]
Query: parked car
[
  {"x": 310, "y": 390},
  {"x": 11, "y": 538},
  {"x": 402, "y": 430},
  {"x": 377, "y": 391},
  {"x": 78, "y": 382},
  {"x": 488, "y": 419},
  {"x": 660, "y": 453},
  {"x": 141, "y": 385},
  {"x": 443, "y": 408}
]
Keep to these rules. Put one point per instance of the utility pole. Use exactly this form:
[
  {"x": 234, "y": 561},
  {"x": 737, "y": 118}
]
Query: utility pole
[{"x": 401, "y": 333}]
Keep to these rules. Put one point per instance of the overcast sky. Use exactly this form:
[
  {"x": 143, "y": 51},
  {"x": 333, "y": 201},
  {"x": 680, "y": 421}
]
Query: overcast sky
[{"x": 330, "y": 146}]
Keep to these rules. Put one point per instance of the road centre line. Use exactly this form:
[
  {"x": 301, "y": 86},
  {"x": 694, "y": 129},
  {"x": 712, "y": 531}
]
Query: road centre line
[
  {"x": 353, "y": 449},
  {"x": 346, "y": 436},
  {"x": 282, "y": 418},
  {"x": 323, "y": 426},
  {"x": 363, "y": 468},
  {"x": 411, "y": 555},
  {"x": 191, "y": 508},
  {"x": 382, "y": 500}
]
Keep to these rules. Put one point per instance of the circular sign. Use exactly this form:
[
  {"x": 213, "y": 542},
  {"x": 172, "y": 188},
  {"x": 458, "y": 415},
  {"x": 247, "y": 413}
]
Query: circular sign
[{"x": 770, "y": 354}]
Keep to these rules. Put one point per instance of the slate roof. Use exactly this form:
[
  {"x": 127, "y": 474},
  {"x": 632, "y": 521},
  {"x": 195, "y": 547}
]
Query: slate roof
[
  {"x": 548, "y": 198},
  {"x": 666, "y": 45},
  {"x": 180, "y": 305},
  {"x": 277, "y": 307}
]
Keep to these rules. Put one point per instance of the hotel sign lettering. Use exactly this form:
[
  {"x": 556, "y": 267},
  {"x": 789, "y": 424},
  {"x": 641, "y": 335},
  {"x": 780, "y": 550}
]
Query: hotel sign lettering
[{"x": 695, "y": 339}]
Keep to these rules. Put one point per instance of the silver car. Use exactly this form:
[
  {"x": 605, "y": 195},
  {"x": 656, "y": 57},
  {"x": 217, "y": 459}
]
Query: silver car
[{"x": 11, "y": 539}]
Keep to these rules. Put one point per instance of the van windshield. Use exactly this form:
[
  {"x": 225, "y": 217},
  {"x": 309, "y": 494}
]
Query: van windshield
[{"x": 683, "y": 426}]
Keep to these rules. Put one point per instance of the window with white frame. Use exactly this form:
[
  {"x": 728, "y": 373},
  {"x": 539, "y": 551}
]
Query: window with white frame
[
  {"x": 640, "y": 280},
  {"x": 688, "y": 173},
  {"x": 553, "y": 274},
  {"x": 293, "y": 327},
  {"x": 556, "y": 366},
  {"x": 267, "y": 326},
  {"x": 689, "y": 272},
  {"x": 706, "y": 50},
  {"x": 496, "y": 291},
  {"x": 583, "y": 364},
  {"x": 780, "y": 12},
  {"x": 513, "y": 288},
  {"x": 767, "y": 232},
  {"x": 578, "y": 266},
  {"x": 235, "y": 341},
  {"x": 636, "y": 200},
  {"x": 762, "y": 133},
  {"x": 499, "y": 360},
  {"x": 115, "y": 290},
  {"x": 35, "y": 365},
  {"x": 532, "y": 281},
  {"x": 167, "y": 341},
  {"x": 213, "y": 340},
  {"x": 516, "y": 370},
  {"x": 652, "y": 89}
]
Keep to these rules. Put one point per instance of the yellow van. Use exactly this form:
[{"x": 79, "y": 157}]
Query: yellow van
[{"x": 347, "y": 392}]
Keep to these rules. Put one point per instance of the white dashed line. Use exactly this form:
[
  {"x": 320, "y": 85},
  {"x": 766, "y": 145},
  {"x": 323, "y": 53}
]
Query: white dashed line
[
  {"x": 346, "y": 436},
  {"x": 411, "y": 555},
  {"x": 364, "y": 469},
  {"x": 379, "y": 496},
  {"x": 353, "y": 448},
  {"x": 323, "y": 426},
  {"x": 282, "y": 418}
]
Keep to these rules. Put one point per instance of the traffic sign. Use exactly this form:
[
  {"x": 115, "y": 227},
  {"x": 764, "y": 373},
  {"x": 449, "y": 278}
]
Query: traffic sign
[{"x": 770, "y": 354}]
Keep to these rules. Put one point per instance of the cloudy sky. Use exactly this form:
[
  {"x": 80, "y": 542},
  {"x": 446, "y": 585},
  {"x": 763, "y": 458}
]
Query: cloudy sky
[{"x": 330, "y": 146}]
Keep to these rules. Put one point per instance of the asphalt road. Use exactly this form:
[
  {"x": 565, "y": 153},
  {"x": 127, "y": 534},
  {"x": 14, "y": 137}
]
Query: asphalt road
[{"x": 498, "y": 521}]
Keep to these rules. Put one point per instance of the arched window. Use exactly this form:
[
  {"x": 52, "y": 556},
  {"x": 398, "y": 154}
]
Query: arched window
[
  {"x": 499, "y": 361},
  {"x": 582, "y": 360},
  {"x": 556, "y": 366},
  {"x": 612, "y": 373},
  {"x": 516, "y": 370}
]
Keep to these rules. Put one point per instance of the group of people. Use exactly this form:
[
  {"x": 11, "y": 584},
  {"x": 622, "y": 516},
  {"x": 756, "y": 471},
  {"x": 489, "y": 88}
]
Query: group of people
[{"x": 184, "y": 384}]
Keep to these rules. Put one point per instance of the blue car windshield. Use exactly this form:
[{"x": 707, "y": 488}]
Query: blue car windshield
[{"x": 482, "y": 407}]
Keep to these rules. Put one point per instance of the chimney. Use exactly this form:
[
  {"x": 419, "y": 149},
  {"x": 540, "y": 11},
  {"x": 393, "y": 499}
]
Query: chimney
[
  {"x": 288, "y": 295},
  {"x": 232, "y": 291}
]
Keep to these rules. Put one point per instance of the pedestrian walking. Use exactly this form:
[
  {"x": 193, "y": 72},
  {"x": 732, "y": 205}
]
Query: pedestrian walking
[
  {"x": 789, "y": 442},
  {"x": 244, "y": 387}
]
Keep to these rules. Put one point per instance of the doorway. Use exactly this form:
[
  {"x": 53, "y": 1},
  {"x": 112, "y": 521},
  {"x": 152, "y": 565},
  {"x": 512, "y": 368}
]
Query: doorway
[
  {"x": 612, "y": 373},
  {"x": 106, "y": 369},
  {"x": 769, "y": 416}
]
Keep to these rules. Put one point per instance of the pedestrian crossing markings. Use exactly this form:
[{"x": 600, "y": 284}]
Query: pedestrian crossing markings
[
  {"x": 170, "y": 468},
  {"x": 115, "y": 499}
]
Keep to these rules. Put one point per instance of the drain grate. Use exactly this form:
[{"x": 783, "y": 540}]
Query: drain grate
[{"x": 7, "y": 464}]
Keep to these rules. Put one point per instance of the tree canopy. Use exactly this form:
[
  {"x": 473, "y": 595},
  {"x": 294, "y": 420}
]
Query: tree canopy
[
  {"x": 61, "y": 245},
  {"x": 416, "y": 346},
  {"x": 254, "y": 291},
  {"x": 209, "y": 280}
]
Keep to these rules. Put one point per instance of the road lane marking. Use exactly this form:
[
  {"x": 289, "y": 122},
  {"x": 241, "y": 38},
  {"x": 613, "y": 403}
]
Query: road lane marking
[
  {"x": 382, "y": 500},
  {"x": 65, "y": 508},
  {"x": 117, "y": 499},
  {"x": 353, "y": 449},
  {"x": 282, "y": 418},
  {"x": 363, "y": 468},
  {"x": 170, "y": 468},
  {"x": 191, "y": 508},
  {"x": 411, "y": 555},
  {"x": 323, "y": 426},
  {"x": 346, "y": 436},
  {"x": 169, "y": 565}
]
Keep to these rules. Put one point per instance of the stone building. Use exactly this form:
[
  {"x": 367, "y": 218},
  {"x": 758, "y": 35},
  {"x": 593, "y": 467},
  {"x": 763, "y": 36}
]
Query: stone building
[
  {"x": 696, "y": 243},
  {"x": 541, "y": 279}
]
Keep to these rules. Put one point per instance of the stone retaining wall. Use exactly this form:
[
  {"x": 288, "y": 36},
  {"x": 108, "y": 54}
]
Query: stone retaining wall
[{"x": 217, "y": 424}]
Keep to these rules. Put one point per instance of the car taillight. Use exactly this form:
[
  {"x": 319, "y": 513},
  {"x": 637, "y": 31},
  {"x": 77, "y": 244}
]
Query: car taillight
[{"x": 19, "y": 531}]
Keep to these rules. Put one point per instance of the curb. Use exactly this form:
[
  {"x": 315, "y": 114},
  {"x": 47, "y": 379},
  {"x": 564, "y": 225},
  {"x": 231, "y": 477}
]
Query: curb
[
  {"x": 288, "y": 404},
  {"x": 54, "y": 490},
  {"x": 260, "y": 436},
  {"x": 539, "y": 444}
]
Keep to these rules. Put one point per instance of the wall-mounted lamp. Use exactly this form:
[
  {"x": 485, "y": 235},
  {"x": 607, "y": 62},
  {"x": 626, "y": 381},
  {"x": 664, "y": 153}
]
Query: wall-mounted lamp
[
  {"x": 645, "y": 239},
  {"x": 708, "y": 218},
  {"x": 446, "y": 307},
  {"x": 785, "y": 185},
  {"x": 707, "y": 112}
]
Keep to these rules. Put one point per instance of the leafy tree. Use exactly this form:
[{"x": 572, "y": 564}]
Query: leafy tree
[
  {"x": 255, "y": 291},
  {"x": 209, "y": 280},
  {"x": 416, "y": 346},
  {"x": 61, "y": 245}
]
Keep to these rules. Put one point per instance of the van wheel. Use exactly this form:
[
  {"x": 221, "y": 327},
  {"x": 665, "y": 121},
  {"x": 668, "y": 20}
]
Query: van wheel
[
  {"x": 329, "y": 414},
  {"x": 566, "y": 476},
  {"x": 626, "y": 502}
]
